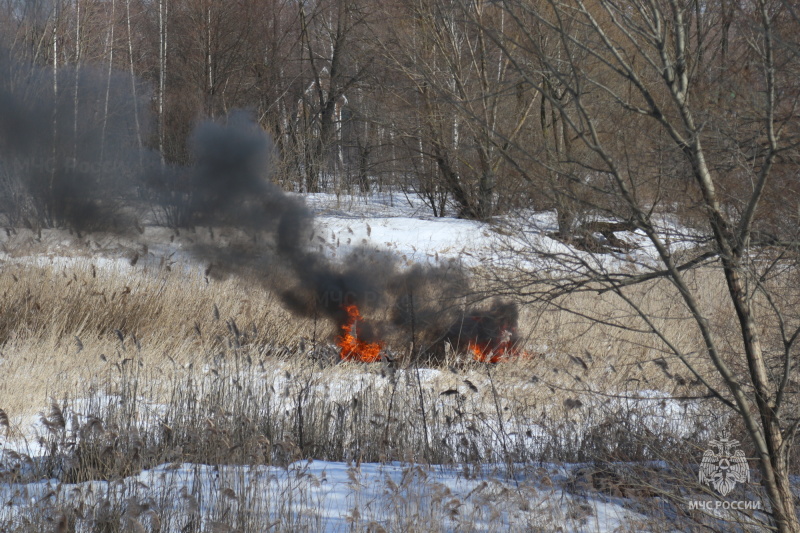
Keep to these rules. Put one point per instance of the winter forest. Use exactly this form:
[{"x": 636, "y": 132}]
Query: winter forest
[{"x": 401, "y": 265}]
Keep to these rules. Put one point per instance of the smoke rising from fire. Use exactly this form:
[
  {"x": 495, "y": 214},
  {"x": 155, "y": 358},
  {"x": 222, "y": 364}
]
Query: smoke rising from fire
[
  {"x": 229, "y": 187},
  {"x": 489, "y": 335},
  {"x": 72, "y": 159},
  {"x": 63, "y": 160}
]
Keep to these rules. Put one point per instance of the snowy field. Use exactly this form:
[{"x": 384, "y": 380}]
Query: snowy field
[
  {"x": 478, "y": 494},
  {"x": 334, "y": 497},
  {"x": 395, "y": 223}
]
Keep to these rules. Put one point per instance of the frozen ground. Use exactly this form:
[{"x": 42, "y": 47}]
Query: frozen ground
[
  {"x": 396, "y": 223},
  {"x": 336, "y": 497}
]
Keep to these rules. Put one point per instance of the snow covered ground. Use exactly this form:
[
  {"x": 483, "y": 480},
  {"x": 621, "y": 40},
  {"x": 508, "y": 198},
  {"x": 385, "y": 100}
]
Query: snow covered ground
[
  {"x": 396, "y": 223},
  {"x": 337, "y": 496},
  {"x": 401, "y": 225},
  {"x": 331, "y": 496},
  {"x": 405, "y": 226}
]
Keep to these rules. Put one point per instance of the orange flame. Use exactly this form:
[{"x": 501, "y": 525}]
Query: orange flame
[
  {"x": 353, "y": 348},
  {"x": 496, "y": 350}
]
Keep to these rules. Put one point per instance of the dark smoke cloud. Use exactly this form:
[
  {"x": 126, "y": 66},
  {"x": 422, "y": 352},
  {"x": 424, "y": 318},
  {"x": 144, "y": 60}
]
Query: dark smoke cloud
[
  {"x": 63, "y": 160},
  {"x": 230, "y": 187},
  {"x": 490, "y": 327},
  {"x": 86, "y": 171}
]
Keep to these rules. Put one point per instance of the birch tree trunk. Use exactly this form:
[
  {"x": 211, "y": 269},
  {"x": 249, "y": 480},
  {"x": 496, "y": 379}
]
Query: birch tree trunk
[
  {"x": 134, "y": 91},
  {"x": 49, "y": 207},
  {"x": 110, "y": 52},
  {"x": 75, "y": 97},
  {"x": 162, "y": 72}
]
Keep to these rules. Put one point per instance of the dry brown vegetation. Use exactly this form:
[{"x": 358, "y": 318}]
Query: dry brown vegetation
[
  {"x": 610, "y": 115},
  {"x": 130, "y": 367},
  {"x": 65, "y": 322}
]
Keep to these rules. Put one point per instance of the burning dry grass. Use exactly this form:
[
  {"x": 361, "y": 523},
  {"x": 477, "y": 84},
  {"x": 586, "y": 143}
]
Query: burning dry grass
[
  {"x": 143, "y": 367},
  {"x": 64, "y": 324},
  {"x": 353, "y": 348}
]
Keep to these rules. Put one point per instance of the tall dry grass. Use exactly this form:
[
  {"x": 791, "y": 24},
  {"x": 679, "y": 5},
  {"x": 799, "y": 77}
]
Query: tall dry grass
[
  {"x": 61, "y": 325},
  {"x": 479, "y": 421},
  {"x": 127, "y": 368},
  {"x": 61, "y": 322}
]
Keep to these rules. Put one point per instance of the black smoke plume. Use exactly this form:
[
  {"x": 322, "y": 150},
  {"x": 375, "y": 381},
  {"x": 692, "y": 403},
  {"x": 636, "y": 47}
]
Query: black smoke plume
[
  {"x": 492, "y": 329},
  {"x": 64, "y": 160},
  {"x": 229, "y": 186},
  {"x": 73, "y": 158}
]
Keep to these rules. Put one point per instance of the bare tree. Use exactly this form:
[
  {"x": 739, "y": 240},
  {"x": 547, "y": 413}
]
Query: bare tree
[
  {"x": 131, "y": 65},
  {"x": 711, "y": 93},
  {"x": 163, "y": 15},
  {"x": 329, "y": 36},
  {"x": 463, "y": 108},
  {"x": 110, "y": 53}
]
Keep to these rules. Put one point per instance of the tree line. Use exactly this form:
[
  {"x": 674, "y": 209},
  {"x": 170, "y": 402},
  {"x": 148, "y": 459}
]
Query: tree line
[
  {"x": 358, "y": 96},
  {"x": 676, "y": 119},
  {"x": 451, "y": 100}
]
